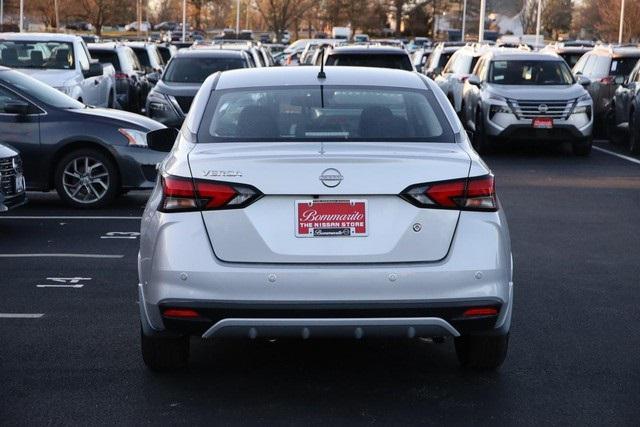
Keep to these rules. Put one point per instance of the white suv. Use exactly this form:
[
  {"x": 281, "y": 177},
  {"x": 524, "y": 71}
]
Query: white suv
[
  {"x": 349, "y": 204},
  {"x": 519, "y": 95},
  {"x": 457, "y": 71}
]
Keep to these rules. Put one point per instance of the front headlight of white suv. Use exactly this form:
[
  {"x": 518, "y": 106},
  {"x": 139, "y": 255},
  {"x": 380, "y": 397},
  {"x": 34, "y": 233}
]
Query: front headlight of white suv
[{"x": 583, "y": 105}]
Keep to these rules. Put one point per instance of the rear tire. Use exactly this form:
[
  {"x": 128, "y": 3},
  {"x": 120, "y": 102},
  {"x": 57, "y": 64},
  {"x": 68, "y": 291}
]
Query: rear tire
[
  {"x": 582, "y": 148},
  {"x": 164, "y": 354},
  {"x": 634, "y": 135},
  {"x": 480, "y": 141},
  {"x": 482, "y": 352}
]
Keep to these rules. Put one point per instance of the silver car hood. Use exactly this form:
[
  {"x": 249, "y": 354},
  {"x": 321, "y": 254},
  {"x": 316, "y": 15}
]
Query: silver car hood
[{"x": 537, "y": 92}]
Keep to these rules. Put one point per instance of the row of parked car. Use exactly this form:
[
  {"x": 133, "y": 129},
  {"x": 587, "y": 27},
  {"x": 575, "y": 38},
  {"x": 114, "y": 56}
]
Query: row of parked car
[
  {"x": 609, "y": 74},
  {"x": 57, "y": 110}
]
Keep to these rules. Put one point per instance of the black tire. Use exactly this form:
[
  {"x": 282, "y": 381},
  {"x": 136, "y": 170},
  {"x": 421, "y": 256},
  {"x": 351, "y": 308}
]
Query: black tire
[
  {"x": 480, "y": 141},
  {"x": 112, "y": 100},
  {"x": 634, "y": 134},
  {"x": 582, "y": 148},
  {"x": 113, "y": 178},
  {"x": 162, "y": 354},
  {"x": 609, "y": 129},
  {"x": 482, "y": 352}
]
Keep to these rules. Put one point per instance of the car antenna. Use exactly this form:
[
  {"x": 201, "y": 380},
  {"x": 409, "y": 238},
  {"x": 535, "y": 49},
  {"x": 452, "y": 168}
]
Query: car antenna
[{"x": 321, "y": 74}]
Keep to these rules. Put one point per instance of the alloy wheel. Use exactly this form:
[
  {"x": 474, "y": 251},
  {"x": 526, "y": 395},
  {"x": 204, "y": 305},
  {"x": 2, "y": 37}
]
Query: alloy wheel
[{"x": 85, "y": 180}]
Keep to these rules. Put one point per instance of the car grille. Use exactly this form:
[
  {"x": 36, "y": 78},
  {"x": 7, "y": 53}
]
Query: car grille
[
  {"x": 184, "y": 102},
  {"x": 532, "y": 109},
  {"x": 9, "y": 168}
]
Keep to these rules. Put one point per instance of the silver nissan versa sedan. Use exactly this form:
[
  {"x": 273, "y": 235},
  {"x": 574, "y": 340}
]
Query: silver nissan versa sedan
[{"x": 349, "y": 203}]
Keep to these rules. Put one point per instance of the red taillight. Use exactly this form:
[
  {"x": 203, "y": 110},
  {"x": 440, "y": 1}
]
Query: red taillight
[
  {"x": 481, "y": 311},
  {"x": 182, "y": 313},
  {"x": 476, "y": 194},
  {"x": 184, "y": 194},
  {"x": 445, "y": 194},
  {"x": 121, "y": 76},
  {"x": 217, "y": 195},
  {"x": 607, "y": 80}
]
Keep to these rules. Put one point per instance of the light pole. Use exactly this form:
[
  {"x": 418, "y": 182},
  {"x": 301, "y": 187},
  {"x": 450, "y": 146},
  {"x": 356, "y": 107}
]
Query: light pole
[
  {"x": 538, "y": 23},
  {"x": 21, "y": 15},
  {"x": 483, "y": 9},
  {"x": 621, "y": 22},
  {"x": 464, "y": 18},
  {"x": 184, "y": 21},
  {"x": 238, "y": 19}
]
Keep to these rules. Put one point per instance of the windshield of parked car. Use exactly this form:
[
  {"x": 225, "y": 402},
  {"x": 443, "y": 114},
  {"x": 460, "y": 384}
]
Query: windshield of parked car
[
  {"x": 39, "y": 91},
  {"x": 400, "y": 62},
  {"x": 36, "y": 54},
  {"x": 330, "y": 113},
  {"x": 528, "y": 72},
  {"x": 197, "y": 69}
]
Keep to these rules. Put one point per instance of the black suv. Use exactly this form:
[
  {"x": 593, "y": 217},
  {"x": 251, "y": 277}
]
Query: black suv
[
  {"x": 131, "y": 82},
  {"x": 171, "y": 98}
]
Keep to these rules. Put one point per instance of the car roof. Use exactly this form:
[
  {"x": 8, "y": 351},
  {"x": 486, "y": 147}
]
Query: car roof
[
  {"x": 40, "y": 37},
  {"x": 515, "y": 54},
  {"x": 106, "y": 46},
  {"x": 307, "y": 76},
  {"x": 618, "y": 51},
  {"x": 139, "y": 44},
  {"x": 208, "y": 53},
  {"x": 369, "y": 50}
]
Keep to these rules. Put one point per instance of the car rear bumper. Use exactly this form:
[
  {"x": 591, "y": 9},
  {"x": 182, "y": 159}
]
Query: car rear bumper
[
  {"x": 476, "y": 272},
  {"x": 322, "y": 319}
]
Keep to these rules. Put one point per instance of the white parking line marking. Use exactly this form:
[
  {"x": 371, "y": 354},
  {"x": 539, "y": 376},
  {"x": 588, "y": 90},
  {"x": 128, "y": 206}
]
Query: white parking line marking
[
  {"x": 622, "y": 156},
  {"x": 137, "y": 218},
  {"x": 21, "y": 315},
  {"x": 121, "y": 235},
  {"x": 68, "y": 279},
  {"x": 60, "y": 286},
  {"x": 101, "y": 256}
]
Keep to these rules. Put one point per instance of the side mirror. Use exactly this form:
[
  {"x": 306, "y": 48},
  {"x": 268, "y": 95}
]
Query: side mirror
[
  {"x": 20, "y": 108},
  {"x": 474, "y": 80},
  {"x": 162, "y": 139},
  {"x": 619, "y": 80},
  {"x": 583, "y": 81},
  {"x": 153, "y": 77},
  {"x": 95, "y": 69}
]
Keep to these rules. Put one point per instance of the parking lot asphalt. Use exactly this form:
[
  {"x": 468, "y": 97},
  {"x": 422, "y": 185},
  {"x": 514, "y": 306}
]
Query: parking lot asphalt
[{"x": 573, "y": 356}]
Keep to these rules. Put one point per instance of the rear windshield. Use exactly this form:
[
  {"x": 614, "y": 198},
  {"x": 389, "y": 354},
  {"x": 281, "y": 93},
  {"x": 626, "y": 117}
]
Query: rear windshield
[
  {"x": 400, "y": 62},
  {"x": 526, "y": 72},
  {"x": 623, "y": 66},
  {"x": 165, "y": 53},
  {"x": 196, "y": 70},
  {"x": 331, "y": 113},
  {"x": 106, "y": 57},
  {"x": 143, "y": 56}
]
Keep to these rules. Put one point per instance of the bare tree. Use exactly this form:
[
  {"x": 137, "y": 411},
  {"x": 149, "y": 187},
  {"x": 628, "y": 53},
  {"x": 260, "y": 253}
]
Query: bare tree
[{"x": 281, "y": 14}]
